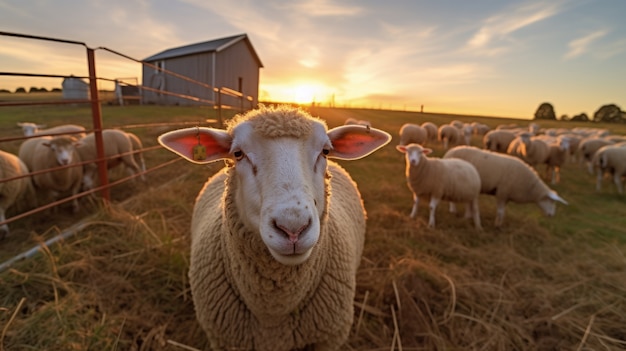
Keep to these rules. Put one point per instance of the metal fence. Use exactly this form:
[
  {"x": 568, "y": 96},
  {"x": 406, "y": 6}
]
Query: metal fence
[{"x": 122, "y": 88}]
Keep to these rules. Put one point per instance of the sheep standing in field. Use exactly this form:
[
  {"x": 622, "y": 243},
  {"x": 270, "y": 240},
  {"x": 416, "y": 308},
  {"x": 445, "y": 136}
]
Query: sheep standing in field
[
  {"x": 431, "y": 130},
  {"x": 507, "y": 178},
  {"x": 117, "y": 147},
  {"x": 277, "y": 236},
  {"x": 588, "y": 147},
  {"x": 480, "y": 129},
  {"x": 558, "y": 152},
  {"x": 448, "y": 135},
  {"x": 50, "y": 152},
  {"x": 449, "y": 180},
  {"x": 610, "y": 159},
  {"x": 15, "y": 190},
  {"x": 32, "y": 129},
  {"x": 412, "y": 133},
  {"x": 533, "y": 151},
  {"x": 137, "y": 145},
  {"x": 498, "y": 140}
]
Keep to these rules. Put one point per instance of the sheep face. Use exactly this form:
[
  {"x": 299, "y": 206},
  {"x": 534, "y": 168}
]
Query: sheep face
[
  {"x": 548, "y": 203},
  {"x": 30, "y": 129},
  {"x": 413, "y": 153},
  {"x": 280, "y": 159},
  {"x": 63, "y": 149}
]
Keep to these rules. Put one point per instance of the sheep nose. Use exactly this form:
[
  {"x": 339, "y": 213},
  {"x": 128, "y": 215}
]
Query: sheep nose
[{"x": 291, "y": 230}]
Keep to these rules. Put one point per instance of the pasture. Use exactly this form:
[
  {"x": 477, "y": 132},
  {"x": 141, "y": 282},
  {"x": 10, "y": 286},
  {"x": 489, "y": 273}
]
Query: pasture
[{"x": 120, "y": 283}]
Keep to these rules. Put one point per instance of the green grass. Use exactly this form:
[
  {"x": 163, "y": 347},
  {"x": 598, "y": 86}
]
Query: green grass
[{"x": 537, "y": 283}]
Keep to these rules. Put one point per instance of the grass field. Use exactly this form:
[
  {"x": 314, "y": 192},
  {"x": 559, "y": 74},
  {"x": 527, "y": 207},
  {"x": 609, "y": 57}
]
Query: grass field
[{"x": 120, "y": 283}]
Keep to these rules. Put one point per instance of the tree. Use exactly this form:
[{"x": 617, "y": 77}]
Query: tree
[
  {"x": 545, "y": 111},
  {"x": 609, "y": 113},
  {"x": 20, "y": 90},
  {"x": 580, "y": 118}
]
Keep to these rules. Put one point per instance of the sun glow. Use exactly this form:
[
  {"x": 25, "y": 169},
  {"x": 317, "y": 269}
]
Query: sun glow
[{"x": 299, "y": 92}]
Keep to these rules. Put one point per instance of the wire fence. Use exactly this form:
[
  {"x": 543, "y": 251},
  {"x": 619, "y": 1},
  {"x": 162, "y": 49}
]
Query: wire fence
[{"x": 126, "y": 89}]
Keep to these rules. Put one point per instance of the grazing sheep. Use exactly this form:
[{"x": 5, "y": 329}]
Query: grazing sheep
[
  {"x": 32, "y": 129},
  {"x": 558, "y": 152},
  {"x": 412, "y": 133},
  {"x": 610, "y": 159},
  {"x": 588, "y": 147},
  {"x": 498, "y": 140},
  {"x": 116, "y": 143},
  {"x": 466, "y": 131},
  {"x": 137, "y": 145},
  {"x": 507, "y": 178},
  {"x": 534, "y": 151},
  {"x": 50, "y": 152},
  {"x": 449, "y": 135},
  {"x": 277, "y": 235},
  {"x": 14, "y": 190},
  {"x": 449, "y": 180},
  {"x": 431, "y": 130}
]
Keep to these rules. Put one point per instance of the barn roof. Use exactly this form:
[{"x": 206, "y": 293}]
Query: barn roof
[{"x": 216, "y": 45}]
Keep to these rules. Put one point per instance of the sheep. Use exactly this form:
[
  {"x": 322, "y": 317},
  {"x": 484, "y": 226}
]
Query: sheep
[
  {"x": 412, "y": 133},
  {"x": 507, "y": 178},
  {"x": 558, "y": 152},
  {"x": 431, "y": 130},
  {"x": 533, "y": 151},
  {"x": 449, "y": 180},
  {"x": 588, "y": 147},
  {"x": 32, "y": 129},
  {"x": 47, "y": 152},
  {"x": 277, "y": 235},
  {"x": 610, "y": 159},
  {"x": 14, "y": 190},
  {"x": 498, "y": 140},
  {"x": 137, "y": 145},
  {"x": 116, "y": 143},
  {"x": 480, "y": 128},
  {"x": 448, "y": 135},
  {"x": 466, "y": 131}
]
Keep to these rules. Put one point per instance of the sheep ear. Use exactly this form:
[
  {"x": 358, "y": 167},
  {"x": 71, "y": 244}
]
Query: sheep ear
[
  {"x": 20, "y": 124},
  {"x": 427, "y": 151},
  {"x": 198, "y": 145},
  {"x": 554, "y": 196},
  {"x": 41, "y": 126},
  {"x": 401, "y": 148},
  {"x": 352, "y": 142}
]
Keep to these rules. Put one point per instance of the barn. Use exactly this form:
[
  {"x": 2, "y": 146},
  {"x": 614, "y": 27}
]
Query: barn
[{"x": 229, "y": 62}]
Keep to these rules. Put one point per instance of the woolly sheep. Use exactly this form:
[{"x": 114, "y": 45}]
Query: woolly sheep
[
  {"x": 116, "y": 142},
  {"x": 32, "y": 129},
  {"x": 507, "y": 178},
  {"x": 533, "y": 151},
  {"x": 412, "y": 133},
  {"x": 449, "y": 135},
  {"x": 47, "y": 152},
  {"x": 15, "y": 190},
  {"x": 498, "y": 140},
  {"x": 610, "y": 159},
  {"x": 277, "y": 235},
  {"x": 431, "y": 130},
  {"x": 137, "y": 145},
  {"x": 558, "y": 152},
  {"x": 449, "y": 180},
  {"x": 480, "y": 128},
  {"x": 588, "y": 147}
]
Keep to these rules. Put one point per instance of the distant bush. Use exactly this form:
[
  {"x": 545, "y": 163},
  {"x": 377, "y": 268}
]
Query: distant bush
[
  {"x": 545, "y": 111},
  {"x": 20, "y": 90},
  {"x": 5, "y": 91}
]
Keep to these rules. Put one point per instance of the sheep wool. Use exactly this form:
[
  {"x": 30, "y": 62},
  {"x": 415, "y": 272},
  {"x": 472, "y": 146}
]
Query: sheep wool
[
  {"x": 249, "y": 293},
  {"x": 15, "y": 190}
]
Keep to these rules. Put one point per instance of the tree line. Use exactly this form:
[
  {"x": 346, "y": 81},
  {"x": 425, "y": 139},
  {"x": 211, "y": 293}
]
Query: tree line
[{"x": 610, "y": 113}]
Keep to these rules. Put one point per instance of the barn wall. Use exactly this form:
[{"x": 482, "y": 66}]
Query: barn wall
[{"x": 237, "y": 61}]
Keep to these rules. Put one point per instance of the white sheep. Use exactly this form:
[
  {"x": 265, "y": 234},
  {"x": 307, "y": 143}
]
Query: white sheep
[
  {"x": 531, "y": 150},
  {"x": 412, "y": 133},
  {"x": 448, "y": 135},
  {"x": 558, "y": 152},
  {"x": 137, "y": 145},
  {"x": 47, "y": 152},
  {"x": 466, "y": 131},
  {"x": 431, "y": 130},
  {"x": 116, "y": 143},
  {"x": 32, "y": 129},
  {"x": 588, "y": 147},
  {"x": 13, "y": 191},
  {"x": 610, "y": 159},
  {"x": 498, "y": 140},
  {"x": 480, "y": 129},
  {"x": 508, "y": 179},
  {"x": 449, "y": 180},
  {"x": 277, "y": 235}
]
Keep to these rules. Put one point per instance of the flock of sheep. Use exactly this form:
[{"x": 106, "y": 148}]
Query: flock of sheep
[
  {"x": 61, "y": 162},
  {"x": 506, "y": 166}
]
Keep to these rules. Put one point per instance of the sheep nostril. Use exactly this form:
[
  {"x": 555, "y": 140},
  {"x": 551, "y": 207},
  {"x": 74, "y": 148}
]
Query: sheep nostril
[{"x": 291, "y": 232}]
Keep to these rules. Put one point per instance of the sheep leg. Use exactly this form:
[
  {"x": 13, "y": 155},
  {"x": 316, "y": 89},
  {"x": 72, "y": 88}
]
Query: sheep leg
[
  {"x": 4, "y": 229},
  {"x": 433, "y": 208},
  {"x": 475, "y": 212},
  {"x": 500, "y": 213},
  {"x": 618, "y": 182},
  {"x": 599, "y": 180},
  {"x": 416, "y": 200}
]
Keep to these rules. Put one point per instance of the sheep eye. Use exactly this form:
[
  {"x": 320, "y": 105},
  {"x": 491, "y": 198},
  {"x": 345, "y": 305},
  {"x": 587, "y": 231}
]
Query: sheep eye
[
  {"x": 238, "y": 155},
  {"x": 325, "y": 151}
]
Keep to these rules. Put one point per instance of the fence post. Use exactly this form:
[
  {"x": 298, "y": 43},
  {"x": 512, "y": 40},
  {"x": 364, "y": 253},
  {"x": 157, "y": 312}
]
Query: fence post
[
  {"x": 219, "y": 107},
  {"x": 96, "y": 113}
]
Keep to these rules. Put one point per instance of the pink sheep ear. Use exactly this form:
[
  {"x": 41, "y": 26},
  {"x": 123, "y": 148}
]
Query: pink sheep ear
[
  {"x": 427, "y": 151},
  {"x": 198, "y": 145},
  {"x": 401, "y": 148},
  {"x": 352, "y": 142}
]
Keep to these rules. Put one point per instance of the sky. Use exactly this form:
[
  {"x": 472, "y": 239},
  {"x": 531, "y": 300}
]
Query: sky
[{"x": 480, "y": 57}]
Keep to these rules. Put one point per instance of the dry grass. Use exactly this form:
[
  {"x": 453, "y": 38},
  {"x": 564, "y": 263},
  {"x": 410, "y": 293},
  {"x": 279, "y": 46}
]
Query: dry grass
[{"x": 536, "y": 284}]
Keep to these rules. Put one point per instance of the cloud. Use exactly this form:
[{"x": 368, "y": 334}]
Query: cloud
[
  {"x": 581, "y": 45},
  {"x": 488, "y": 40},
  {"x": 323, "y": 8}
]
